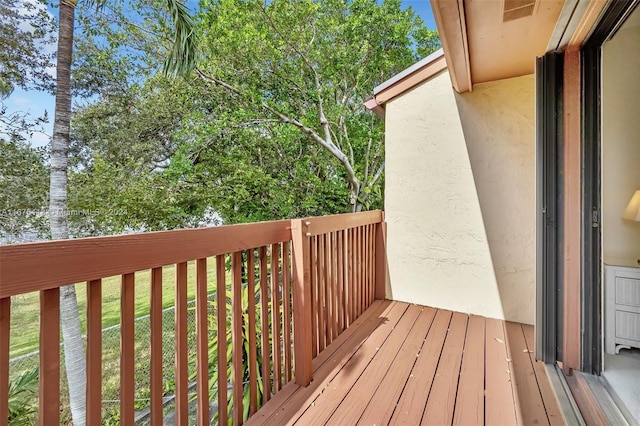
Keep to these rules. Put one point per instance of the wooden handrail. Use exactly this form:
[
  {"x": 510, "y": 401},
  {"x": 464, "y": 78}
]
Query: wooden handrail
[
  {"x": 317, "y": 274},
  {"x": 32, "y": 267},
  {"x": 319, "y": 225}
]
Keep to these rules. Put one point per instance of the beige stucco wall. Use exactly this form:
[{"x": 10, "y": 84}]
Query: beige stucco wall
[
  {"x": 620, "y": 142},
  {"x": 460, "y": 197}
]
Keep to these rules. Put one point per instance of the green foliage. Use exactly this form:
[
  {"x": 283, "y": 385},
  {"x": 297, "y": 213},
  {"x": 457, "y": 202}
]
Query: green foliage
[
  {"x": 185, "y": 152},
  {"x": 23, "y": 191},
  {"x": 303, "y": 61},
  {"x": 127, "y": 172},
  {"x": 23, "y": 391},
  {"x": 26, "y": 28},
  {"x": 214, "y": 352}
]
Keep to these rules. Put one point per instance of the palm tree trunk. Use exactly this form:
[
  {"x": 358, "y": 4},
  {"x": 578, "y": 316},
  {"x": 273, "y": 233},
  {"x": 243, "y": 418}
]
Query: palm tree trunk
[{"x": 70, "y": 319}]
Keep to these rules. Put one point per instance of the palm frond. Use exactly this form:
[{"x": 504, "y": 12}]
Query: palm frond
[{"x": 182, "y": 57}]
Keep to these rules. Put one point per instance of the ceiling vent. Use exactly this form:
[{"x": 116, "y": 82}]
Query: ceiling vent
[{"x": 515, "y": 9}]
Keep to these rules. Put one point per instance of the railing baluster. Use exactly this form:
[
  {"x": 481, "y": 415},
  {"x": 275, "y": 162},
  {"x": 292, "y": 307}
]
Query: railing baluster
[
  {"x": 221, "y": 308},
  {"x": 363, "y": 254},
  {"x": 127, "y": 348},
  {"x": 264, "y": 320},
  {"x": 349, "y": 272},
  {"x": 322, "y": 294},
  {"x": 275, "y": 317},
  {"x": 253, "y": 363},
  {"x": 5, "y": 330},
  {"x": 301, "y": 303},
  {"x": 236, "y": 335},
  {"x": 181, "y": 360},
  {"x": 156, "y": 346},
  {"x": 327, "y": 289},
  {"x": 365, "y": 265},
  {"x": 286, "y": 303},
  {"x": 372, "y": 263},
  {"x": 368, "y": 253},
  {"x": 359, "y": 270},
  {"x": 315, "y": 300},
  {"x": 341, "y": 292},
  {"x": 334, "y": 287},
  {"x": 345, "y": 278},
  {"x": 354, "y": 273},
  {"x": 202, "y": 343},
  {"x": 94, "y": 352},
  {"x": 354, "y": 267}
]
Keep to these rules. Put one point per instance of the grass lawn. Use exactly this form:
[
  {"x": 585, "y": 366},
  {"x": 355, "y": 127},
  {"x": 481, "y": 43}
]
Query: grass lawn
[{"x": 25, "y": 308}]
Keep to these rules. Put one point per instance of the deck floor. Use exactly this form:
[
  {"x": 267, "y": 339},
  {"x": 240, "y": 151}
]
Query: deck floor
[{"x": 407, "y": 364}]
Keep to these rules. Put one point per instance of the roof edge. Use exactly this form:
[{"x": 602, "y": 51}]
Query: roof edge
[
  {"x": 406, "y": 80},
  {"x": 407, "y": 72}
]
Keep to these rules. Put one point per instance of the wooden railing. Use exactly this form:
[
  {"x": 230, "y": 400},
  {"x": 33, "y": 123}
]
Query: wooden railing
[{"x": 295, "y": 286}]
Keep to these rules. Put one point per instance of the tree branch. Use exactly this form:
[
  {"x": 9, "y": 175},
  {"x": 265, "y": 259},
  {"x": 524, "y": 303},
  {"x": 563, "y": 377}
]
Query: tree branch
[
  {"x": 325, "y": 143},
  {"x": 377, "y": 175}
]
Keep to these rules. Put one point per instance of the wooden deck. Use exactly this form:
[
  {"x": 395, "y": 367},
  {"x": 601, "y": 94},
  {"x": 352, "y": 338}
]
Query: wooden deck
[{"x": 407, "y": 364}]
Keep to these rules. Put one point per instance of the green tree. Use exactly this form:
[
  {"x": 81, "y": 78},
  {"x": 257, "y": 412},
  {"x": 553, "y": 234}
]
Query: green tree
[
  {"x": 311, "y": 65},
  {"x": 255, "y": 134},
  {"x": 26, "y": 29},
  {"x": 23, "y": 191},
  {"x": 26, "y": 33},
  {"x": 180, "y": 153}
]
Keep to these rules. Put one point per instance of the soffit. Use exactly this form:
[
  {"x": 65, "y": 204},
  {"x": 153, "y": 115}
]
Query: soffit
[
  {"x": 500, "y": 48},
  {"x": 487, "y": 40}
]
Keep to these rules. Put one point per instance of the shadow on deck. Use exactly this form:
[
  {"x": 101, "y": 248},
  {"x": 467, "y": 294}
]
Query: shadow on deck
[{"x": 407, "y": 364}]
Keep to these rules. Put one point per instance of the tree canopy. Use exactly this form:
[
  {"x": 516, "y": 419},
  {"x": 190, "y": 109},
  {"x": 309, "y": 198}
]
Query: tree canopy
[
  {"x": 26, "y": 31},
  {"x": 269, "y": 125}
]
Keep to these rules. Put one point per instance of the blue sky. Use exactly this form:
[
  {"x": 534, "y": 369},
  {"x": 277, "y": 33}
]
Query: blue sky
[
  {"x": 422, "y": 8},
  {"x": 35, "y": 103}
]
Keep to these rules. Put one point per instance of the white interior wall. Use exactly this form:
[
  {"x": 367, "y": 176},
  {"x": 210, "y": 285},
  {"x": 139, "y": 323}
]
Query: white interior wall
[{"x": 621, "y": 142}]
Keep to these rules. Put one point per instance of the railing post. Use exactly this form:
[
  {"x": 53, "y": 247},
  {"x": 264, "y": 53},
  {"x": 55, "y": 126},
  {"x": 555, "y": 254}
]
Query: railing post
[
  {"x": 381, "y": 259},
  {"x": 301, "y": 302}
]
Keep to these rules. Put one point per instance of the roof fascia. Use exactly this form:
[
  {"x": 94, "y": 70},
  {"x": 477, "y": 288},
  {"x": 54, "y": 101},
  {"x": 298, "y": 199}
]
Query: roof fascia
[
  {"x": 406, "y": 80},
  {"x": 407, "y": 72},
  {"x": 452, "y": 27}
]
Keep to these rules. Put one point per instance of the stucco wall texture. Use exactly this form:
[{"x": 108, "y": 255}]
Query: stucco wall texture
[{"x": 460, "y": 197}]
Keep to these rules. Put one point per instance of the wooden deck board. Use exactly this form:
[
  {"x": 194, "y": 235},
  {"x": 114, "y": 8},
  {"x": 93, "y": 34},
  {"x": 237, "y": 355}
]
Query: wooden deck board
[
  {"x": 384, "y": 399},
  {"x": 470, "y": 400},
  {"x": 554, "y": 413},
  {"x": 341, "y": 348},
  {"x": 525, "y": 386},
  {"x": 358, "y": 397},
  {"x": 368, "y": 336},
  {"x": 441, "y": 402},
  {"x": 499, "y": 404},
  {"x": 407, "y": 364},
  {"x": 323, "y": 407},
  {"x": 416, "y": 392}
]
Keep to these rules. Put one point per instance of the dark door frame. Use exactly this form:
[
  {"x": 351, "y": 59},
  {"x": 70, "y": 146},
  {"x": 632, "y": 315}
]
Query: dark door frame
[
  {"x": 591, "y": 297},
  {"x": 549, "y": 124}
]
